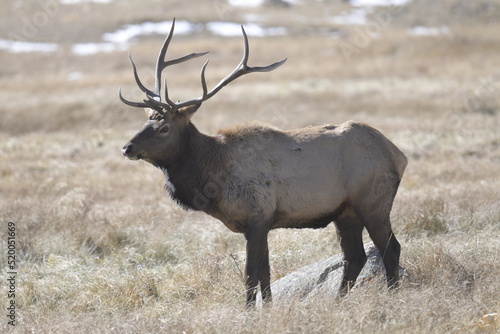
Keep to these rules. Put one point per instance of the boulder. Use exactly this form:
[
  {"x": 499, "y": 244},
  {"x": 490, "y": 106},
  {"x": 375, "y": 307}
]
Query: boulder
[{"x": 324, "y": 277}]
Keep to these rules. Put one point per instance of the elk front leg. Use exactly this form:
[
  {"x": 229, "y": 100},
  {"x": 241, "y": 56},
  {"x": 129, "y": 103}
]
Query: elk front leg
[{"x": 257, "y": 265}]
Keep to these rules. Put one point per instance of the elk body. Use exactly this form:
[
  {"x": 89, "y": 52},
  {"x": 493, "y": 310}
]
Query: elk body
[{"x": 254, "y": 177}]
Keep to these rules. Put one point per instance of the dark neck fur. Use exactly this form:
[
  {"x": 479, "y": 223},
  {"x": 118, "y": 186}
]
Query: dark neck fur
[{"x": 189, "y": 173}]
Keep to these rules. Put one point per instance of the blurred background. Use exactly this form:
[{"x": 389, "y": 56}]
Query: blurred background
[{"x": 64, "y": 59}]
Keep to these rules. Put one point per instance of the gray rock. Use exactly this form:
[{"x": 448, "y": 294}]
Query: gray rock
[{"x": 324, "y": 277}]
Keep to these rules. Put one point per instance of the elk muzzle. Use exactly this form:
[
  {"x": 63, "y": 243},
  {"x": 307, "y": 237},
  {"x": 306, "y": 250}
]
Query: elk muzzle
[{"x": 129, "y": 151}]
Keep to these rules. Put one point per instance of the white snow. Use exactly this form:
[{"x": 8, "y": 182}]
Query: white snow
[
  {"x": 86, "y": 49},
  {"x": 245, "y": 3},
  {"x": 364, "y": 3},
  {"x": 73, "y": 2},
  {"x": 355, "y": 16},
  {"x": 234, "y": 29},
  {"x": 252, "y": 3},
  {"x": 75, "y": 75},
  {"x": 428, "y": 31},
  {"x": 131, "y": 31},
  {"x": 23, "y": 47}
]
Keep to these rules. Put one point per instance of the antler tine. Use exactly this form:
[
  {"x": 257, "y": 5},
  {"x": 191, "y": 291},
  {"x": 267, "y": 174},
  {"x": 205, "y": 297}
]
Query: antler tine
[
  {"x": 244, "y": 60},
  {"x": 136, "y": 76},
  {"x": 161, "y": 64},
  {"x": 241, "y": 69},
  {"x": 246, "y": 47},
  {"x": 204, "y": 81},
  {"x": 167, "y": 98},
  {"x": 141, "y": 86},
  {"x": 131, "y": 103}
]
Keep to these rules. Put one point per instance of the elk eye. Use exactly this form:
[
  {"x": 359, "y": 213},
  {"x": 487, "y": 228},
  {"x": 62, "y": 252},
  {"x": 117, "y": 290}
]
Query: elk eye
[{"x": 164, "y": 129}]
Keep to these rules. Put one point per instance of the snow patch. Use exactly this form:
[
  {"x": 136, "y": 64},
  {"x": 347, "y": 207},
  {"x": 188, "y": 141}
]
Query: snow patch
[
  {"x": 428, "y": 31},
  {"x": 365, "y": 3},
  {"x": 230, "y": 29},
  {"x": 24, "y": 47},
  {"x": 131, "y": 31},
  {"x": 86, "y": 49}
]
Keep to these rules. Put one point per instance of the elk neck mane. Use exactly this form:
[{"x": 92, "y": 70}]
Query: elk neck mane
[{"x": 187, "y": 175}]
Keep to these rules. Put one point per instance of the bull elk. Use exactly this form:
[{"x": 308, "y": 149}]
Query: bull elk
[{"x": 254, "y": 177}]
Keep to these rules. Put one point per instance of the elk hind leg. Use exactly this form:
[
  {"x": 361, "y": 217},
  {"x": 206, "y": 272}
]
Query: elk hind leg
[
  {"x": 349, "y": 231},
  {"x": 390, "y": 250},
  {"x": 265, "y": 277},
  {"x": 378, "y": 225}
]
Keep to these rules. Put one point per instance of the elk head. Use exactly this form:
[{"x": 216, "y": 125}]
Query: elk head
[{"x": 160, "y": 141}]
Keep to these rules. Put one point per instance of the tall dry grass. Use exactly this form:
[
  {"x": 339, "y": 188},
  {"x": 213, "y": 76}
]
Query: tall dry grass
[{"x": 103, "y": 249}]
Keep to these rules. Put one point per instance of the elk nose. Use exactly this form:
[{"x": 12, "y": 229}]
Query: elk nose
[{"x": 126, "y": 149}]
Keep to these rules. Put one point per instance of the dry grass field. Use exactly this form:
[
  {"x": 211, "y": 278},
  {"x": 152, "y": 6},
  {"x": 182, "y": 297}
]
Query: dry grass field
[{"x": 100, "y": 246}]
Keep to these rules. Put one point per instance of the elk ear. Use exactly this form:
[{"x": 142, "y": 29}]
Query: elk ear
[{"x": 189, "y": 110}]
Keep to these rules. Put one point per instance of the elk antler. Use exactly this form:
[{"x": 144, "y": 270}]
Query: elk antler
[{"x": 154, "y": 97}]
